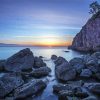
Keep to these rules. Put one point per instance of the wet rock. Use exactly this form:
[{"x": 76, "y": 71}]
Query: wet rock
[
  {"x": 63, "y": 95},
  {"x": 80, "y": 92},
  {"x": 8, "y": 82},
  {"x": 58, "y": 88},
  {"x": 79, "y": 67},
  {"x": 93, "y": 87},
  {"x": 86, "y": 73},
  {"x": 59, "y": 61},
  {"x": 96, "y": 55},
  {"x": 53, "y": 57},
  {"x": 31, "y": 88},
  {"x": 2, "y": 65},
  {"x": 38, "y": 62},
  {"x": 76, "y": 61},
  {"x": 65, "y": 72},
  {"x": 23, "y": 60},
  {"x": 40, "y": 72},
  {"x": 90, "y": 98}
]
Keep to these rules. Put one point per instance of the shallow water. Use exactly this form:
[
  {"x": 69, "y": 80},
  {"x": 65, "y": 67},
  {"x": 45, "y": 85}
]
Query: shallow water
[{"x": 6, "y": 52}]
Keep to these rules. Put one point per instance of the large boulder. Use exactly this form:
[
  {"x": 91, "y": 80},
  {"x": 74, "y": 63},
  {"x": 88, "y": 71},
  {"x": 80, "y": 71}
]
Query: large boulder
[
  {"x": 23, "y": 60},
  {"x": 9, "y": 82},
  {"x": 65, "y": 72},
  {"x": 31, "y": 88},
  {"x": 40, "y": 72}
]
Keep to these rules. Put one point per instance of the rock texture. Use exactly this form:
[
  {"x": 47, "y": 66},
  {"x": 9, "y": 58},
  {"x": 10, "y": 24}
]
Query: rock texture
[
  {"x": 30, "y": 88},
  {"x": 88, "y": 39},
  {"x": 8, "y": 82},
  {"x": 23, "y": 60}
]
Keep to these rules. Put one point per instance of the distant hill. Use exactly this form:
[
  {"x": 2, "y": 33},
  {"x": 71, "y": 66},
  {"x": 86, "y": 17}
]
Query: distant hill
[{"x": 3, "y": 45}]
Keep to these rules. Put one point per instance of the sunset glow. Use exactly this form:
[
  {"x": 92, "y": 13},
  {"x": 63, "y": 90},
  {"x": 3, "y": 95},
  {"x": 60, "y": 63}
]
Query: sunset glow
[{"x": 42, "y": 22}]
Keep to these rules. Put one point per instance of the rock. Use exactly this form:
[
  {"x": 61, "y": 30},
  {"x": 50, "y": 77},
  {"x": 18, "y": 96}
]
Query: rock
[
  {"x": 53, "y": 57},
  {"x": 90, "y": 98},
  {"x": 86, "y": 73},
  {"x": 8, "y": 82},
  {"x": 40, "y": 72},
  {"x": 23, "y": 60},
  {"x": 58, "y": 88},
  {"x": 59, "y": 61},
  {"x": 93, "y": 87},
  {"x": 84, "y": 41},
  {"x": 76, "y": 61},
  {"x": 2, "y": 65},
  {"x": 65, "y": 72},
  {"x": 96, "y": 55},
  {"x": 63, "y": 95},
  {"x": 80, "y": 92},
  {"x": 78, "y": 64},
  {"x": 38, "y": 62},
  {"x": 31, "y": 88},
  {"x": 79, "y": 68}
]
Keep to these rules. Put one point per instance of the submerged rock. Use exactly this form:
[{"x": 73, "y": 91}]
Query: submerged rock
[
  {"x": 31, "y": 88},
  {"x": 9, "y": 82},
  {"x": 23, "y": 60}
]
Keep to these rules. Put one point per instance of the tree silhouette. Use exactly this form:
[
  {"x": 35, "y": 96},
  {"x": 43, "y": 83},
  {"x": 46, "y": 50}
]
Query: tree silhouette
[{"x": 94, "y": 7}]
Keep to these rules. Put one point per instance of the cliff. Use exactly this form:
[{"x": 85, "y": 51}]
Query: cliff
[{"x": 88, "y": 39}]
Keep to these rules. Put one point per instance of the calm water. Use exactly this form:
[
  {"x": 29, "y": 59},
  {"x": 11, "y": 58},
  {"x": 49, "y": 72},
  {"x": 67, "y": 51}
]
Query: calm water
[{"x": 6, "y": 52}]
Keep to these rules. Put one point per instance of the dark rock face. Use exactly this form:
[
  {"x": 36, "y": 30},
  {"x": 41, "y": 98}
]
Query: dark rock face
[
  {"x": 59, "y": 61},
  {"x": 2, "y": 65},
  {"x": 23, "y": 60},
  {"x": 65, "y": 72},
  {"x": 86, "y": 73},
  {"x": 89, "y": 36},
  {"x": 93, "y": 87},
  {"x": 31, "y": 88},
  {"x": 38, "y": 62},
  {"x": 53, "y": 57},
  {"x": 8, "y": 82},
  {"x": 40, "y": 72}
]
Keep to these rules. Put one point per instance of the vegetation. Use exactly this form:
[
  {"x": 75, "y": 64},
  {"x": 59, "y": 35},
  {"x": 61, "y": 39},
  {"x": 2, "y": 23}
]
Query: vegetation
[{"x": 94, "y": 7}]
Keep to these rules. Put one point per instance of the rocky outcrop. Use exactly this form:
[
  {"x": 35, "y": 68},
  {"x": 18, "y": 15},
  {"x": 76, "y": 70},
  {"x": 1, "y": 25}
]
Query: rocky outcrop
[
  {"x": 9, "y": 82},
  {"x": 89, "y": 37},
  {"x": 40, "y": 72},
  {"x": 63, "y": 70},
  {"x": 31, "y": 88},
  {"x": 23, "y": 60}
]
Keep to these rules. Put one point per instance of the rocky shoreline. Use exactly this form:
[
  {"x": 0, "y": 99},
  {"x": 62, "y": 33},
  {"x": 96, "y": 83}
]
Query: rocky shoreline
[{"x": 21, "y": 77}]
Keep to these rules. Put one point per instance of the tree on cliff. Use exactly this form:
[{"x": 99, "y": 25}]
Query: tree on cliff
[{"x": 94, "y": 7}]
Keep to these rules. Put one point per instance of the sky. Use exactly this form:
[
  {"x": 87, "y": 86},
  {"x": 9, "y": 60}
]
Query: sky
[{"x": 42, "y": 22}]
